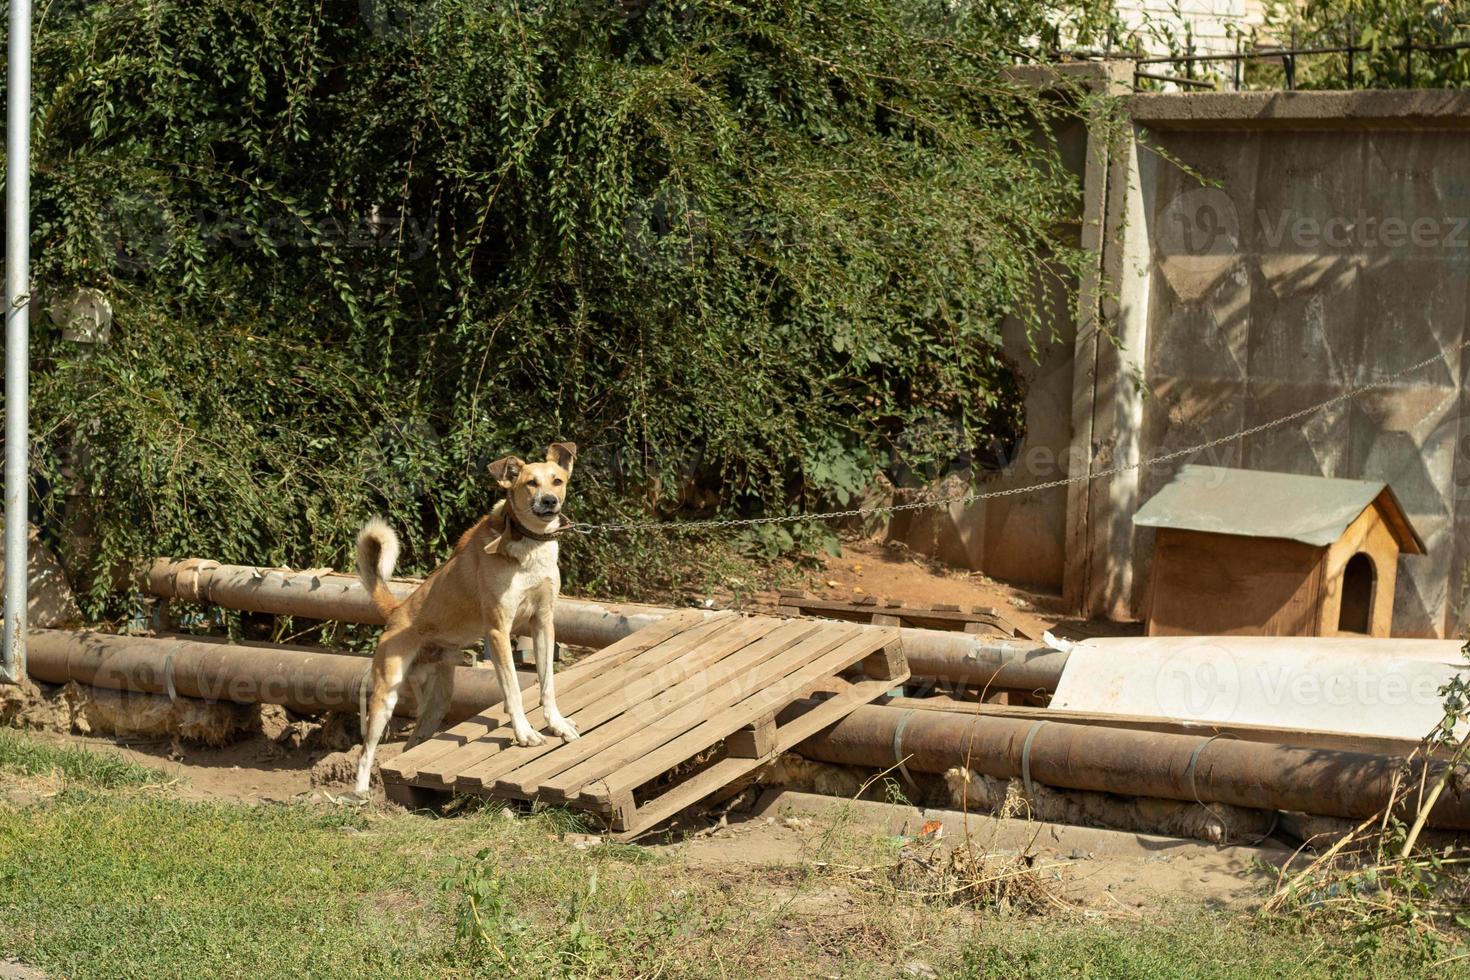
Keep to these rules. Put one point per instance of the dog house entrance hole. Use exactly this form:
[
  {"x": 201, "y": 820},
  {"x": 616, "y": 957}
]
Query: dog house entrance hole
[{"x": 1357, "y": 595}]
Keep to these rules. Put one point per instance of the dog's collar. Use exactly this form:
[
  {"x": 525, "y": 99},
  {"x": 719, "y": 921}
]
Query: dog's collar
[{"x": 525, "y": 532}]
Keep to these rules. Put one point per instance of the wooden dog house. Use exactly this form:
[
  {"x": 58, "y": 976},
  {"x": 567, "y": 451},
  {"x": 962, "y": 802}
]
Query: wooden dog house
[{"x": 1245, "y": 552}]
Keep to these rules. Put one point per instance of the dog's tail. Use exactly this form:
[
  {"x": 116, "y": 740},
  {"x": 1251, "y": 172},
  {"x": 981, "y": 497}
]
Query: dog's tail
[{"x": 377, "y": 553}]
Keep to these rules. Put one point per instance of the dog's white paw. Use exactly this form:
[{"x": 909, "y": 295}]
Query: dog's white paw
[
  {"x": 356, "y": 798},
  {"x": 563, "y": 728},
  {"x": 530, "y": 738}
]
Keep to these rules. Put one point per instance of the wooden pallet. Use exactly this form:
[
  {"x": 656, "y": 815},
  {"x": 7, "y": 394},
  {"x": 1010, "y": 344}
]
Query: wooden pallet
[
  {"x": 890, "y": 612},
  {"x": 693, "y": 686}
]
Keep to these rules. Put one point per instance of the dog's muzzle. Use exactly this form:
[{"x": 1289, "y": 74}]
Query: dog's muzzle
[{"x": 545, "y": 505}]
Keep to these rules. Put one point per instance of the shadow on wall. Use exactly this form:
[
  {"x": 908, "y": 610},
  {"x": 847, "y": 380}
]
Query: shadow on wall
[{"x": 1307, "y": 264}]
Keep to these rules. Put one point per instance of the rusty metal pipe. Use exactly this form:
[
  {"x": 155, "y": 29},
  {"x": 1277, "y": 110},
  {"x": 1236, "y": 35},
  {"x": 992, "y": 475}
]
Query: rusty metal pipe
[
  {"x": 304, "y": 682},
  {"x": 1192, "y": 768},
  {"x": 1066, "y": 756},
  {"x": 948, "y": 656}
]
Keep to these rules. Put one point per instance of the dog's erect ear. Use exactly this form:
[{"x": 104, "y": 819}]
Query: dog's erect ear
[
  {"x": 504, "y": 471},
  {"x": 562, "y": 454}
]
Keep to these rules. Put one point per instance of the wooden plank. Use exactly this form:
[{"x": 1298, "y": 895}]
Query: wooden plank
[
  {"x": 686, "y": 794},
  {"x": 622, "y": 813},
  {"x": 658, "y": 640},
  {"x": 992, "y": 617},
  {"x": 592, "y": 718},
  {"x": 890, "y": 661},
  {"x": 941, "y": 616},
  {"x": 614, "y": 716},
  {"x": 633, "y": 770},
  {"x": 701, "y": 686},
  {"x": 671, "y": 630},
  {"x": 812, "y": 603},
  {"x": 732, "y": 769},
  {"x": 677, "y": 724},
  {"x": 413, "y": 797},
  {"x": 444, "y": 769},
  {"x": 845, "y": 697},
  {"x": 630, "y": 645},
  {"x": 887, "y": 664},
  {"x": 755, "y": 741},
  {"x": 1204, "y": 583},
  {"x": 734, "y": 675},
  {"x": 929, "y": 620}
]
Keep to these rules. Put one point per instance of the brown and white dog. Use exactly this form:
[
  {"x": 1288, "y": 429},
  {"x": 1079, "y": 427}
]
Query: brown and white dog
[{"x": 502, "y": 579}]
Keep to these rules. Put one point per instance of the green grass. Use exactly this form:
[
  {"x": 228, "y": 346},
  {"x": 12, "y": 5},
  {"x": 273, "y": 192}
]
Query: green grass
[
  {"x": 112, "y": 877},
  {"x": 1188, "y": 946},
  {"x": 25, "y": 755}
]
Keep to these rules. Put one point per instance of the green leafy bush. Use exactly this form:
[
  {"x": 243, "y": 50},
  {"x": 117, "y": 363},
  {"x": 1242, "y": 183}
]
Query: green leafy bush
[
  {"x": 736, "y": 251},
  {"x": 1382, "y": 27}
]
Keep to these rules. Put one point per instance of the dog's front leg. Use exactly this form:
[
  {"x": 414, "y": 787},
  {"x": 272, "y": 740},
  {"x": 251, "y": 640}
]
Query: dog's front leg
[
  {"x": 545, "y": 644},
  {"x": 505, "y": 672}
]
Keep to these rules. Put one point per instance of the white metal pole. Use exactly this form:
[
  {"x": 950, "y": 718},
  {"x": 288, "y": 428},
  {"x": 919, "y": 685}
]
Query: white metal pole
[{"x": 17, "y": 334}]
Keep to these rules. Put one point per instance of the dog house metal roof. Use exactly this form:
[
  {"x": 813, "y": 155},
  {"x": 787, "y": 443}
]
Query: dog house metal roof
[{"x": 1314, "y": 510}]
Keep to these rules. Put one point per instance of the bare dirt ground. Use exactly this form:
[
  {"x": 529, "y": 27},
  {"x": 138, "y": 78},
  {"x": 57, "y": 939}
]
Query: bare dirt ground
[
  {"x": 895, "y": 572},
  {"x": 1095, "y": 869},
  {"x": 12, "y": 969},
  {"x": 256, "y": 770}
]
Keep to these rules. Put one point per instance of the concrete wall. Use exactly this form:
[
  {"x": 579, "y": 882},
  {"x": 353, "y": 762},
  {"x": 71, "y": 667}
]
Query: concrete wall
[
  {"x": 1300, "y": 245},
  {"x": 1258, "y": 253}
]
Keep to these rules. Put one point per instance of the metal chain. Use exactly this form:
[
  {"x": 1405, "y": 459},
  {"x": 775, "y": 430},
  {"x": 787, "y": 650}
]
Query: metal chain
[{"x": 976, "y": 495}]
